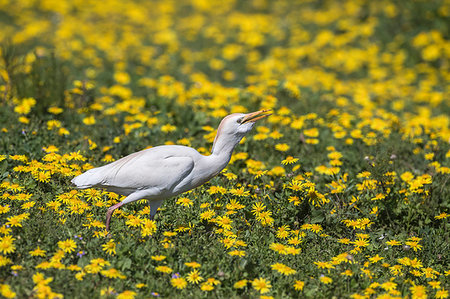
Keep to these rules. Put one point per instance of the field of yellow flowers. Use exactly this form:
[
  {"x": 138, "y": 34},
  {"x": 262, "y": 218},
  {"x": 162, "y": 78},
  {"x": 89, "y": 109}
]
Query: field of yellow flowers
[{"x": 343, "y": 191}]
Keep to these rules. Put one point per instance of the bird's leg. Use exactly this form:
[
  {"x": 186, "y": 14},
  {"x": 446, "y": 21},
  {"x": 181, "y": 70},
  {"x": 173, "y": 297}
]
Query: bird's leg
[
  {"x": 110, "y": 212},
  {"x": 154, "y": 205}
]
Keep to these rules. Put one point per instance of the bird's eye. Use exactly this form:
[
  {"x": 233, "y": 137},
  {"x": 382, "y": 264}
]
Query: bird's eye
[{"x": 240, "y": 120}]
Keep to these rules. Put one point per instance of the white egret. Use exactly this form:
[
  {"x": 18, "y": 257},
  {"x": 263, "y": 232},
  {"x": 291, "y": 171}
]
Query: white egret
[{"x": 165, "y": 171}]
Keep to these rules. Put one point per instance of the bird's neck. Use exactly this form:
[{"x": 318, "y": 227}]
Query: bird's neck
[{"x": 223, "y": 147}]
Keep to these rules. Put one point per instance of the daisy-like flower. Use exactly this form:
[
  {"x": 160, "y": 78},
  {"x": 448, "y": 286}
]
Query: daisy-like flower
[
  {"x": 414, "y": 245},
  {"x": 298, "y": 285},
  {"x": 325, "y": 279},
  {"x": 375, "y": 259},
  {"x": 193, "y": 265},
  {"x": 435, "y": 284},
  {"x": 258, "y": 208},
  {"x": 185, "y": 202},
  {"x": 418, "y": 291},
  {"x": 207, "y": 215},
  {"x": 283, "y": 232},
  {"x": 347, "y": 272},
  {"x": 442, "y": 216},
  {"x": 110, "y": 247},
  {"x": 240, "y": 192},
  {"x": 164, "y": 269},
  {"x": 158, "y": 257},
  {"x": 194, "y": 277},
  {"x": 37, "y": 252},
  {"x": 261, "y": 285},
  {"x": 178, "y": 282},
  {"x": 239, "y": 253},
  {"x": 148, "y": 227},
  {"x": 225, "y": 222},
  {"x": 7, "y": 245},
  {"x": 289, "y": 160},
  {"x": 282, "y": 147},
  {"x": 283, "y": 269},
  {"x": 295, "y": 200},
  {"x": 324, "y": 265},
  {"x": 68, "y": 245},
  {"x": 393, "y": 243},
  {"x": 441, "y": 294},
  {"x": 127, "y": 295},
  {"x": 240, "y": 284},
  {"x": 133, "y": 221},
  {"x": 112, "y": 273}
]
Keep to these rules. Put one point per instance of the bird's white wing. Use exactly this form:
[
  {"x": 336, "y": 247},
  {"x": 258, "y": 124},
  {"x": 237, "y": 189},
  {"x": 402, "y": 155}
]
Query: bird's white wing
[
  {"x": 147, "y": 171},
  {"x": 142, "y": 170}
]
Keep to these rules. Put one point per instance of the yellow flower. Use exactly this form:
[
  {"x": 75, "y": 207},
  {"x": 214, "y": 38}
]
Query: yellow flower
[
  {"x": 193, "y": 265},
  {"x": 194, "y": 277},
  {"x": 168, "y": 128},
  {"x": 375, "y": 259},
  {"x": 110, "y": 247},
  {"x": 283, "y": 232},
  {"x": 442, "y": 293},
  {"x": 347, "y": 272},
  {"x": 239, "y": 253},
  {"x": 324, "y": 265},
  {"x": 261, "y": 285},
  {"x": 206, "y": 286},
  {"x": 185, "y": 202},
  {"x": 68, "y": 245},
  {"x": 148, "y": 227},
  {"x": 313, "y": 132},
  {"x": 127, "y": 295},
  {"x": 418, "y": 292},
  {"x": 283, "y": 269},
  {"x": 158, "y": 257},
  {"x": 4, "y": 209},
  {"x": 6, "y": 244},
  {"x": 164, "y": 269},
  {"x": 442, "y": 216},
  {"x": 5, "y": 291},
  {"x": 298, "y": 285},
  {"x": 122, "y": 77},
  {"x": 112, "y": 273},
  {"x": 240, "y": 192},
  {"x": 207, "y": 215},
  {"x": 282, "y": 147},
  {"x": 325, "y": 279},
  {"x": 133, "y": 221},
  {"x": 295, "y": 200},
  {"x": 224, "y": 221},
  {"x": 178, "y": 282},
  {"x": 15, "y": 221},
  {"x": 230, "y": 176},
  {"x": 37, "y": 252},
  {"x": 240, "y": 284},
  {"x": 55, "y": 110},
  {"x": 289, "y": 160},
  {"x": 414, "y": 245},
  {"x": 393, "y": 243},
  {"x": 278, "y": 247},
  {"x": 435, "y": 284}
]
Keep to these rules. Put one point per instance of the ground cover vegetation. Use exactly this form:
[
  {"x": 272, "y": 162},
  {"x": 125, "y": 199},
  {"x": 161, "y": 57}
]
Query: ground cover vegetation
[{"x": 343, "y": 191}]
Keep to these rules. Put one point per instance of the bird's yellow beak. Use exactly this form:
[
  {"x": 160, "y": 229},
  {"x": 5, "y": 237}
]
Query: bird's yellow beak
[{"x": 254, "y": 116}]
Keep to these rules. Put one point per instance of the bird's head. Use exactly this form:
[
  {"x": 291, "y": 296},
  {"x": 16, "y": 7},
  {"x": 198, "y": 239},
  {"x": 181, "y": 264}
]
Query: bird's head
[
  {"x": 234, "y": 127},
  {"x": 239, "y": 124}
]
